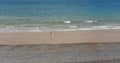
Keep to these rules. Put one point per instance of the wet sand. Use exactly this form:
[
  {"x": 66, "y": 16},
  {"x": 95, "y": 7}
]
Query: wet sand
[
  {"x": 59, "y": 37},
  {"x": 64, "y": 53}
]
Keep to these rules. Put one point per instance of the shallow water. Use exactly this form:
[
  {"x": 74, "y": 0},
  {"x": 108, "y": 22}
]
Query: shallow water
[{"x": 45, "y": 15}]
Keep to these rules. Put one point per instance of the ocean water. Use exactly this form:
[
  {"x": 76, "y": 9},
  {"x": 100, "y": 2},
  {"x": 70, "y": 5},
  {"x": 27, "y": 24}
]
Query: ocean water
[{"x": 58, "y": 15}]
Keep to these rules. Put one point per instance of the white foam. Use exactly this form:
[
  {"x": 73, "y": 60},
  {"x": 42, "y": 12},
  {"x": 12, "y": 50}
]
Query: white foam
[
  {"x": 67, "y": 22},
  {"x": 91, "y": 21},
  {"x": 73, "y": 26},
  {"x": 19, "y": 29},
  {"x": 70, "y": 28},
  {"x": 106, "y": 27}
]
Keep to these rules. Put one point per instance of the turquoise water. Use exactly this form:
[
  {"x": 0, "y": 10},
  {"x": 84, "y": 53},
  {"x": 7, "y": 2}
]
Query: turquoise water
[{"x": 45, "y": 15}]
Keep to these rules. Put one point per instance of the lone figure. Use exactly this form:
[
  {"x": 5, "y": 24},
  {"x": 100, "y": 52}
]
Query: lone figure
[{"x": 50, "y": 35}]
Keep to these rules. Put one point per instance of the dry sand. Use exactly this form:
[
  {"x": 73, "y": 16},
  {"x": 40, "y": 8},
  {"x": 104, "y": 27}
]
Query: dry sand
[{"x": 59, "y": 37}]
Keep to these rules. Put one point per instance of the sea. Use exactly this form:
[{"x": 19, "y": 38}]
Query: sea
[{"x": 59, "y": 15}]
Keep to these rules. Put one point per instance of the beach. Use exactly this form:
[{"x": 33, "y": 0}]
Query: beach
[
  {"x": 65, "y": 53},
  {"x": 59, "y": 37},
  {"x": 85, "y": 46},
  {"x": 59, "y": 31}
]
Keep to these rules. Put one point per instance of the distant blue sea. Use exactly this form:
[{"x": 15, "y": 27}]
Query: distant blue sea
[{"x": 45, "y": 15}]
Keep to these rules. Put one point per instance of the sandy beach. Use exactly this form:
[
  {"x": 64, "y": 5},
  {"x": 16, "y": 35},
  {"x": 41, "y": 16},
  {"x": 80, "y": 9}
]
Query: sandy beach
[
  {"x": 59, "y": 37},
  {"x": 68, "y": 53},
  {"x": 96, "y": 46}
]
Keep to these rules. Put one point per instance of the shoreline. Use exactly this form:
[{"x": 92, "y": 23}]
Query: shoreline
[{"x": 59, "y": 37}]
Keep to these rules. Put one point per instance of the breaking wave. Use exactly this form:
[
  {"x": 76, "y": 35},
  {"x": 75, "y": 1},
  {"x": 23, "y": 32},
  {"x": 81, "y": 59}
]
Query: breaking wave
[{"x": 41, "y": 29}]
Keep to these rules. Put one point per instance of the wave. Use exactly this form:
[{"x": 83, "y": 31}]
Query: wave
[
  {"x": 69, "y": 28},
  {"x": 91, "y": 21}
]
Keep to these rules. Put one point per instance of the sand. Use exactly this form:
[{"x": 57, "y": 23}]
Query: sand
[
  {"x": 67, "y": 53},
  {"x": 59, "y": 37}
]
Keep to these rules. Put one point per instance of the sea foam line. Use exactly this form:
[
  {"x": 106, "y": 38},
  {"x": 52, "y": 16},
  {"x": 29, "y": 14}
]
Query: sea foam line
[{"x": 70, "y": 28}]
